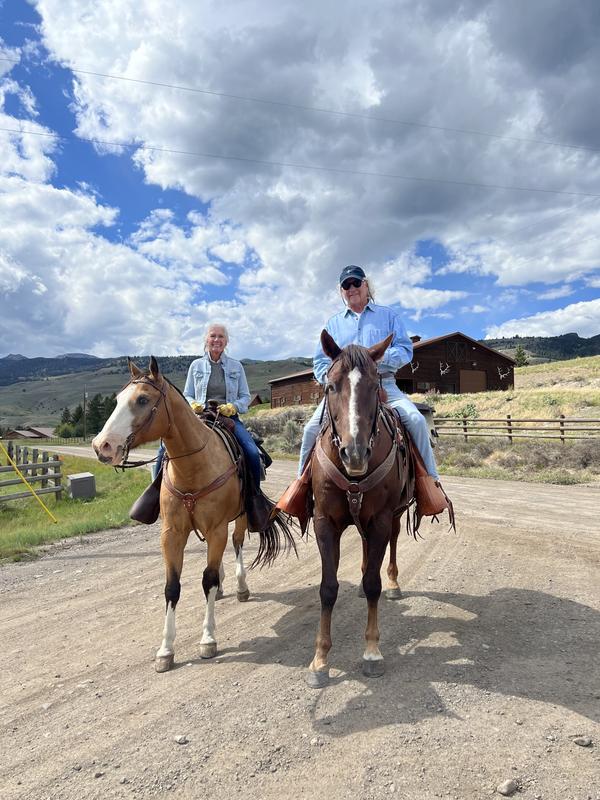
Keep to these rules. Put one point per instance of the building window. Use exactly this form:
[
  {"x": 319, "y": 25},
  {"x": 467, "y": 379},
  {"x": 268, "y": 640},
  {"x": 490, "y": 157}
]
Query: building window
[
  {"x": 425, "y": 386},
  {"x": 456, "y": 351}
]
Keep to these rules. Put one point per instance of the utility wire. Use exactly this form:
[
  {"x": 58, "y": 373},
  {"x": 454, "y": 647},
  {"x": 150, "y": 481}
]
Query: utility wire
[
  {"x": 333, "y": 112},
  {"x": 292, "y": 165}
]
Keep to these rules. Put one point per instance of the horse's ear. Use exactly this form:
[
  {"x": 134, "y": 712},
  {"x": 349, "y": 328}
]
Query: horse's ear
[
  {"x": 376, "y": 352},
  {"x": 329, "y": 346},
  {"x": 136, "y": 372},
  {"x": 153, "y": 367}
]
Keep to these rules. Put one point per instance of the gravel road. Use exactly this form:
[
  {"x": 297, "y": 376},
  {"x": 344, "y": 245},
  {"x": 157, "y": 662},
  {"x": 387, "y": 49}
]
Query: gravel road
[{"x": 492, "y": 663}]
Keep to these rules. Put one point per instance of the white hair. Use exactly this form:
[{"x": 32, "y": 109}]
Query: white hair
[{"x": 210, "y": 327}]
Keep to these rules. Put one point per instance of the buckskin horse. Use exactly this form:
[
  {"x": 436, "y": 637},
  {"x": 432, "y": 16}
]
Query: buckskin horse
[
  {"x": 361, "y": 475},
  {"x": 197, "y": 467}
]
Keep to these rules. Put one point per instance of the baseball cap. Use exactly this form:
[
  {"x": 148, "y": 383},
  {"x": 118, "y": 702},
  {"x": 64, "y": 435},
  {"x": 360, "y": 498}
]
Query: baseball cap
[{"x": 352, "y": 271}]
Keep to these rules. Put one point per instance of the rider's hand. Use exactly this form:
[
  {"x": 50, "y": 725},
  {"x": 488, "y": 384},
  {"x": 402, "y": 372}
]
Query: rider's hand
[
  {"x": 227, "y": 410},
  {"x": 197, "y": 408}
]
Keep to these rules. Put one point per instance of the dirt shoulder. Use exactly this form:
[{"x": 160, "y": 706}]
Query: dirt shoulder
[{"x": 491, "y": 656}]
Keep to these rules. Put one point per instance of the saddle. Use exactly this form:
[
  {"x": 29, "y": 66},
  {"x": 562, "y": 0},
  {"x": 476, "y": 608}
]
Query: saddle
[
  {"x": 428, "y": 496},
  {"x": 254, "y": 502}
]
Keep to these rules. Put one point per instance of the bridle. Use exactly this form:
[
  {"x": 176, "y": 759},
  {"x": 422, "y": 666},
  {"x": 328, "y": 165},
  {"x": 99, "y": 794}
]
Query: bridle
[
  {"x": 162, "y": 395},
  {"x": 335, "y": 438},
  {"x": 355, "y": 489}
]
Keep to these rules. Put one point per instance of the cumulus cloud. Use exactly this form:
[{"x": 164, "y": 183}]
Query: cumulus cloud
[
  {"x": 265, "y": 233},
  {"x": 584, "y": 318}
]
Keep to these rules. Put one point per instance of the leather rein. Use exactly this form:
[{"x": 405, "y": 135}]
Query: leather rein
[
  {"x": 355, "y": 489},
  {"x": 189, "y": 499}
]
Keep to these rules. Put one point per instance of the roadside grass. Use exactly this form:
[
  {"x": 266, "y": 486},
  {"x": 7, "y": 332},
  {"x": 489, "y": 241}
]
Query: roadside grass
[
  {"x": 537, "y": 462},
  {"x": 543, "y": 461},
  {"x": 25, "y": 525}
]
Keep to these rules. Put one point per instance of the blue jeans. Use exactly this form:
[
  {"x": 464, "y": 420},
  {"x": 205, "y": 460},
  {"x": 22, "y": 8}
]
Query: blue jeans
[
  {"x": 409, "y": 414},
  {"x": 159, "y": 459},
  {"x": 247, "y": 444},
  {"x": 249, "y": 447}
]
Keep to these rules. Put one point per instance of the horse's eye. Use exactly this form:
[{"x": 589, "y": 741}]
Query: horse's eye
[
  {"x": 142, "y": 400},
  {"x": 331, "y": 387}
]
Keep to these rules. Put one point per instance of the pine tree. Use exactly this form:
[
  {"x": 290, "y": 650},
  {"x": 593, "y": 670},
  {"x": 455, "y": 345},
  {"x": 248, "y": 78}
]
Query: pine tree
[
  {"x": 95, "y": 412},
  {"x": 65, "y": 418},
  {"x": 521, "y": 359},
  {"x": 110, "y": 403}
]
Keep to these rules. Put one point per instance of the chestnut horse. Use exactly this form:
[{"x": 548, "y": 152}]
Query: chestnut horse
[
  {"x": 200, "y": 491},
  {"x": 361, "y": 475}
]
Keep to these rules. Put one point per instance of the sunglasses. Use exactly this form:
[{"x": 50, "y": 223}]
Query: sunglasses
[{"x": 356, "y": 282}]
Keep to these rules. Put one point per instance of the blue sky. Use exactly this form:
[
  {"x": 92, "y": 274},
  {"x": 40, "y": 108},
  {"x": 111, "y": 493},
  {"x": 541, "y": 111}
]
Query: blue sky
[{"x": 485, "y": 109}]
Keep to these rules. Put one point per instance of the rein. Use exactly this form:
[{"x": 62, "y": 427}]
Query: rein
[
  {"x": 125, "y": 464},
  {"x": 355, "y": 489}
]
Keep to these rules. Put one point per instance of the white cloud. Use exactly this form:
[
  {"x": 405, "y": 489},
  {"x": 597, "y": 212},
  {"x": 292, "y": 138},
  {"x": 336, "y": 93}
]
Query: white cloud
[
  {"x": 276, "y": 237},
  {"x": 583, "y": 318},
  {"x": 560, "y": 291}
]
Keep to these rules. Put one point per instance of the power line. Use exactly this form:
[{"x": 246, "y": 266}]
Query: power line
[
  {"x": 292, "y": 165},
  {"x": 332, "y": 112}
]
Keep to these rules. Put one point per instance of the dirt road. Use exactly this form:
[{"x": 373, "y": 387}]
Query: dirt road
[{"x": 492, "y": 666}]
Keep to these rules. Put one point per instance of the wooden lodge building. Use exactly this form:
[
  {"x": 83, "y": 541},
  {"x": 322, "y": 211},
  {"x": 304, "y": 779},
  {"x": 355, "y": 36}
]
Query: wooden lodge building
[{"x": 450, "y": 364}]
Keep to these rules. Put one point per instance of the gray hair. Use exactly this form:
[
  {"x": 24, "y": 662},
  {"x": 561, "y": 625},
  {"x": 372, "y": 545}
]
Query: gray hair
[{"x": 210, "y": 327}]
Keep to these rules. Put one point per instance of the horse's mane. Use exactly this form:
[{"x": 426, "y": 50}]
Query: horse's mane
[
  {"x": 353, "y": 355},
  {"x": 148, "y": 374}
]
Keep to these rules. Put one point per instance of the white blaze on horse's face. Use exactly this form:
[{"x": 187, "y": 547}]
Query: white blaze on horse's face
[
  {"x": 353, "y": 415},
  {"x": 110, "y": 442}
]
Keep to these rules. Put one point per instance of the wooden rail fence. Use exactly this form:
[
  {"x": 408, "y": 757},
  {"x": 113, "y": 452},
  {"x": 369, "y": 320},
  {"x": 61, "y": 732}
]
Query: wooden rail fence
[
  {"x": 41, "y": 468},
  {"x": 510, "y": 428}
]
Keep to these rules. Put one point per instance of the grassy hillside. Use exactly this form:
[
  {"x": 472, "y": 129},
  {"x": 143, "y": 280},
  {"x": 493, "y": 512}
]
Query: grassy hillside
[
  {"x": 39, "y": 401},
  {"x": 569, "y": 387}
]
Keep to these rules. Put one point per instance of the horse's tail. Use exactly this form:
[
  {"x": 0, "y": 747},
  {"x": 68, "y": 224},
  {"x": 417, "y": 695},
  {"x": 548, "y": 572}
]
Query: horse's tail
[{"x": 275, "y": 538}]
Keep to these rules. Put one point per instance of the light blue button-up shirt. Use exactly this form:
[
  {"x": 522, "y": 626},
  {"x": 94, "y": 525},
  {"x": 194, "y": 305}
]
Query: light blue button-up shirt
[{"x": 369, "y": 328}]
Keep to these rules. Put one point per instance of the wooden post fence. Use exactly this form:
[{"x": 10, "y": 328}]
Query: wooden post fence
[
  {"x": 45, "y": 472},
  {"x": 560, "y": 428}
]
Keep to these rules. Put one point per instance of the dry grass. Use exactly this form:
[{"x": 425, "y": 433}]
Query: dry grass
[{"x": 569, "y": 387}]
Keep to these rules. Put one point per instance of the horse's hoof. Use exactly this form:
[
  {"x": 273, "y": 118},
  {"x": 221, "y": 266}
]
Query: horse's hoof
[
  {"x": 208, "y": 650},
  {"x": 164, "y": 663},
  {"x": 393, "y": 594},
  {"x": 373, "y": 668},
  {"x": 220, "y": 594},
  {"x": 317, "y": 679},
  {"x": 243, "y": 596},
  {"x": 360, "y": 591}
]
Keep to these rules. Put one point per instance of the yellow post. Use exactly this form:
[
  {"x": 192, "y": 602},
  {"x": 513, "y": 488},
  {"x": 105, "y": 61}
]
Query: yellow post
[{"x": 28, "y": 485}]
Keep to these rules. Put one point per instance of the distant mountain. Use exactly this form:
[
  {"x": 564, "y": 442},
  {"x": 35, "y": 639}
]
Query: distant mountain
[
  {"x": 14, "y": 357},
  {"x": 79, "y": 355},
  {"x": 34, "y": 391},
  {"x": 552, "y": 348}
]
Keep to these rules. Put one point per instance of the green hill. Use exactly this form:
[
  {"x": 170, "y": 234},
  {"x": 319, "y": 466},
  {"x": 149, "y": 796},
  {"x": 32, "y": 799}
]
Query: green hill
[
  {"x": 40, "y": 400},
  {"x": 548, "y": 348}
]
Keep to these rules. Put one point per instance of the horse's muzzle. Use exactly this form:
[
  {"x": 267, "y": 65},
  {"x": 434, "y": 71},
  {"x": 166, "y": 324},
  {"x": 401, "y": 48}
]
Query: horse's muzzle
[
  {"x": 107, "y": 452},
  {"x": 355, "y": 458}
]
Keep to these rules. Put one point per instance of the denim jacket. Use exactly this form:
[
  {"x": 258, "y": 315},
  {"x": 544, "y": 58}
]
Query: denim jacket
[{"x": 236, "y": 385}]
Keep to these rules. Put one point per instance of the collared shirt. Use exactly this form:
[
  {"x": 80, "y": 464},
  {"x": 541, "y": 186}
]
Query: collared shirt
[
  {"x": 369, "y": 328},
  {"x": 236, "y": 385}
]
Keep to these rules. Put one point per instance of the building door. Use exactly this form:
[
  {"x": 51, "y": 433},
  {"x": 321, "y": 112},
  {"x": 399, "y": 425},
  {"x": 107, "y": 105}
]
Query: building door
[{"x": 472, "y": 380}]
